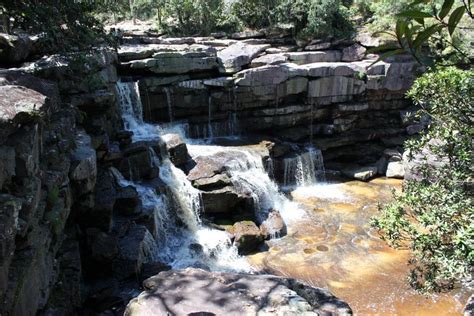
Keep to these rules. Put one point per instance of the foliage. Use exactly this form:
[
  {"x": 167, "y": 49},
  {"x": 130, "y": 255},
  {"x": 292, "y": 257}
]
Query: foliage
[
  {"x": 416, "y": 28},
  {"x": 434, "y": 215},
  {"x": 63, "y": 25},
  {"x": 196, "y": 17},
  {"x": 310, "y": 18}
]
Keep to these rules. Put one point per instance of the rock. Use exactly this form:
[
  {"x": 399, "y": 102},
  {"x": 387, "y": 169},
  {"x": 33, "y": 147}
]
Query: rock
[
  {"x": 135, "y": 249},
  {"x": 128, "y": 201},
  {"x": 318, "y": 46},
  {"x": 14, "y": 49},
  {"x": 7, "y": 165},
  {"x": 83, "y": 170},
  {"x": 138, "y": 163},
  {"x": 273, "y": 226},
  {"x": 214, "y": 293},
  {"x": 238, "y": 55},
  {"x": 395, "y": 169},
  {"x": 19, "y": 105},
  {"x": 353, "y": 53},
  {"x": 360, "y": 173},
  {"x": 336, "y": 86},
  {"x": 469, "y": 308},
  {"x": 177, "y": 149},
  {"x": 325, "y": 69},
  {"x": 180, "y": 62},
  {"x": 247, "y": 236},
  {"x": 223, "y": 200},
  {"x": 302, "y": 58},
  {"x": 104, "y": 247},
  {"x": 381, "y": 165},
  {"x": 270, "y": 59},
  {"x": 105, "y": 195},
  {"x": 247, "y": 35}
]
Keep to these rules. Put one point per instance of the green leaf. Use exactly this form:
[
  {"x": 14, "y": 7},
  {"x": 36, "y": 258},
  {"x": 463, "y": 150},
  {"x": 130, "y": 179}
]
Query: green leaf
[
  {"x": 423, "y": 36},
  {"x": 415, "y": 14},
  {"x": 447, "y": 5},
  {"x": 400, "y": 29},
  {"x": 455, "y": 18}
]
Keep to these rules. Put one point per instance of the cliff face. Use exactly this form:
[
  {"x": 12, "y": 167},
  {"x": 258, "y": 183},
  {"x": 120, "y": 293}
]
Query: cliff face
[
  {"x": 48, "y": 173},
  {"x": 70, "y": 234}
]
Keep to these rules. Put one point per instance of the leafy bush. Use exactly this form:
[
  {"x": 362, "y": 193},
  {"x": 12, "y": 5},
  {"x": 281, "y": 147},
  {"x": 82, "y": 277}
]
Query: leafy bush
[{"x": 434, "y": 215}]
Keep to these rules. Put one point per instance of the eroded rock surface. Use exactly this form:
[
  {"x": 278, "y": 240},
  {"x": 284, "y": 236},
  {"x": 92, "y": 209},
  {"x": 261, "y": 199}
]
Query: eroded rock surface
[{"x": 195, "y": 291}]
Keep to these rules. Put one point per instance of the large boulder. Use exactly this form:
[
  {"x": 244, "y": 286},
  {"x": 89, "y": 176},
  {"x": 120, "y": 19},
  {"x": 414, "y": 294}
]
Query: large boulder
[
  {"x": 233, "y": 58},
  {"x": 214, "y": 293},
  {"x": 273, "y": 226},
  {"x": 176, "y": 148},
  {"x": 15, "y": 49},
  {"x": 83, "y": 169}
]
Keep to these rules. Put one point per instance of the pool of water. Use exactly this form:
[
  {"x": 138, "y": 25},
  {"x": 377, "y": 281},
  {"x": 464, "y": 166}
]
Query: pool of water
[{"x": 336, "y": 248}]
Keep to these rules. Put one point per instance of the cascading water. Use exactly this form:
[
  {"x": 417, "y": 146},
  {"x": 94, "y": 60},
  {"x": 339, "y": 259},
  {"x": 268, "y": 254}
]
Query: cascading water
[
  {"x": 169, "y": 103},
  {"x": 229, "y": 128},
  {"x": 304, "y": 169},
  {"x": 189, "y": 244}
]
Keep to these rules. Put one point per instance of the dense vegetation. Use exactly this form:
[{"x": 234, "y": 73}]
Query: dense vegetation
[{"x": 434, "y": 215}]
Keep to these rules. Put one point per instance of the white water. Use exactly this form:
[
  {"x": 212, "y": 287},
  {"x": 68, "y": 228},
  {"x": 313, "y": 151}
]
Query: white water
[
  {"x": 186, "y": 245},
  {"x": 191, "y": 243},
  {"x": 305, "y": 169},
  {"x": 227, "y": 128}
]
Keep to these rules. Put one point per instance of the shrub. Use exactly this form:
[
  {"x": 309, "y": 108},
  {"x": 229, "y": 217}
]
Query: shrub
[{"x": 434, "y": 215}]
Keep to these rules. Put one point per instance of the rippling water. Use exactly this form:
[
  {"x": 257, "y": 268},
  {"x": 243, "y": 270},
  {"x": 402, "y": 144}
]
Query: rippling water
[{"x": 336, "y": 248}]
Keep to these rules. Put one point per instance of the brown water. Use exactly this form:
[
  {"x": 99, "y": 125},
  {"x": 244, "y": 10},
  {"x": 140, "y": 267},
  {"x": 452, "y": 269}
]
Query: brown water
[{"x": 336, "y": 248}]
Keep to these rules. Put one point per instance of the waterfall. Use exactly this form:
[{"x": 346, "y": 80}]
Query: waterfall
[
  {"x": 228, "y": 128},
  {"x": 304, "y": 169},
  {"x": 209, "y": 120},
  {"x": 179, "y": 245},
  {"x": 169, "y": 102}
]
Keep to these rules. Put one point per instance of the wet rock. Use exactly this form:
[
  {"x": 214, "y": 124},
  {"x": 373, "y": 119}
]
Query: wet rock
[
  {"x": 103, "y": 247},
  {"x": 105, "y": 195},
  {"x": 353, "y": 53},
  {"x": 223, "y": 200},
  {"x": 233, "y": 58},
  {"x": 273, "y": 226},
  {"x": 138, "y": 163},
  {"x": 177, "y": 149},
  {"x": 381, "y": 165},
  {"x": 215, "y": 293},
  {"x": 360, "y": 173},
  {"x": 214, "y": 182},
  {"x": 247, "y": 236}
]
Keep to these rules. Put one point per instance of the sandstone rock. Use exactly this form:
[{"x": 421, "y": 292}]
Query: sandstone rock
[
  {"x": 360, "y": 173},
  {"x": 395, "y": 169},
  {"x": 177, "y": 149},
  {"x": 325, "y": 69},
  {"x": 247, "y": 236},
  {"x": 175, "y": 62},
  {"x": 335, "y": 86},
  {"x": 238, "y": 55},
  {"x": 270, "y": 59},
  {"x": 273, "y": 226},
  {"x": 302, "y": 58},
  {"x": 318, "y": 46},
  {"x": 231, "y": 294},
  {"x": 353, "y": 53},
  {"x": 223, "y": 200},
  {"x": 398, "y": 76}
]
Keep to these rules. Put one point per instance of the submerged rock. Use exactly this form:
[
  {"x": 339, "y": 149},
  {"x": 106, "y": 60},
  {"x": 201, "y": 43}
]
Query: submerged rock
[
  {"x": 273, "y": 226},
  {"x": 199, "y": 292},
  {"x": 360, "y": 173}
]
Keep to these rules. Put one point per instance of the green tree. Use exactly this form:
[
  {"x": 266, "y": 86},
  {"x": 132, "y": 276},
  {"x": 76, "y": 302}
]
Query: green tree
[{"x": 62, "y": 25}]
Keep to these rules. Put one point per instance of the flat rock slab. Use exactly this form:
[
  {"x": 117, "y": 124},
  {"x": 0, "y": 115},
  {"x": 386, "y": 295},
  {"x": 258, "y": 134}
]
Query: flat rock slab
[{"x": 199, "y": 292}]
